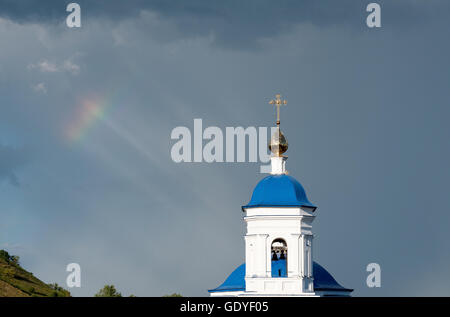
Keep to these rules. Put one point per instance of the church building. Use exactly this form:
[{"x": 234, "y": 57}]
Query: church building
[{"x": 279, "y": 238}]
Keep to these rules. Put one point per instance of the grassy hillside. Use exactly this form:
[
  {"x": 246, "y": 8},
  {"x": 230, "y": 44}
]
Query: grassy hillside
[{"x": 17, "y": 282}]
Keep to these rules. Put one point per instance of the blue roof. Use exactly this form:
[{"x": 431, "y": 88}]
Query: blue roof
[
  {"x": 323, "y": 281},
  {"x": 279, "y": 190},
  {"x": 234, "y": 282}
]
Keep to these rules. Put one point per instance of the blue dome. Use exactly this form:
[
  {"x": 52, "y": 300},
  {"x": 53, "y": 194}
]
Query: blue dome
[
  {"x": 323, "y": 281},
  {"x": 279, "y": 190},
  {"x": 234, "y": 282}
]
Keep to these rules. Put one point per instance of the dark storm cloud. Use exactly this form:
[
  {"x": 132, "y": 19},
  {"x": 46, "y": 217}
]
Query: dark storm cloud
[
  {"x": 10, "y": 160},
  {"x": 233, "y": 23},
  {"x": 366, "y": 123}
]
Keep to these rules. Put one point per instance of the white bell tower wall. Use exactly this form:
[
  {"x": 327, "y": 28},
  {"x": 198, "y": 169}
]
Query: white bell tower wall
[{"x": 294, "y": 226}]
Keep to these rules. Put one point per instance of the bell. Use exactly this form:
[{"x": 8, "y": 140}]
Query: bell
[{"x": 274, "y": 256}]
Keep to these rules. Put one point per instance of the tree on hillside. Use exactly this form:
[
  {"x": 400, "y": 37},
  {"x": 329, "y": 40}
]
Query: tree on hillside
[
  {"x": 58, "y": 291},
  {"x": 173, "y": 295},
  {"x": 108, "y": 291},
  {"x": 11, "y": 259},
  {"x": 4, "y": 255},
  {"x": 15, "y": 260},
  {"x": 56, "y": 287}
]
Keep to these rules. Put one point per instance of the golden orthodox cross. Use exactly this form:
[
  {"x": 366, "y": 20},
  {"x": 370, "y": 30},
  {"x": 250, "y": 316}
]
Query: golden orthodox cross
[{"x": 278, "y": 102}]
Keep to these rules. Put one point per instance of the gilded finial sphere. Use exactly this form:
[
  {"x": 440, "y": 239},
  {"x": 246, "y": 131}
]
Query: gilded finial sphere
[{"x": 278, "y": 143}]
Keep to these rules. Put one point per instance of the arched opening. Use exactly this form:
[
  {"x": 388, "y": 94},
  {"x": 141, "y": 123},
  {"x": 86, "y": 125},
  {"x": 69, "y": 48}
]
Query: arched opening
[{"x": 279, "y": 258}]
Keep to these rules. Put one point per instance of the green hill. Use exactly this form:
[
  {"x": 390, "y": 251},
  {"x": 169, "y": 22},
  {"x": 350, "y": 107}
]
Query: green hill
[{"x": 17, "y": 282}]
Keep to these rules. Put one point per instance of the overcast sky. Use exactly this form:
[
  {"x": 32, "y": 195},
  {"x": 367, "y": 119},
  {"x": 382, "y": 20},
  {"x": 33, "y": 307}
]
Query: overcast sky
[{"x": 86, "y": 115}]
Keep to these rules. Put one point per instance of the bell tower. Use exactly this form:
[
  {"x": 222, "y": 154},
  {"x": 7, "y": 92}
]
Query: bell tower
[{"x": 279, "y": 238}]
